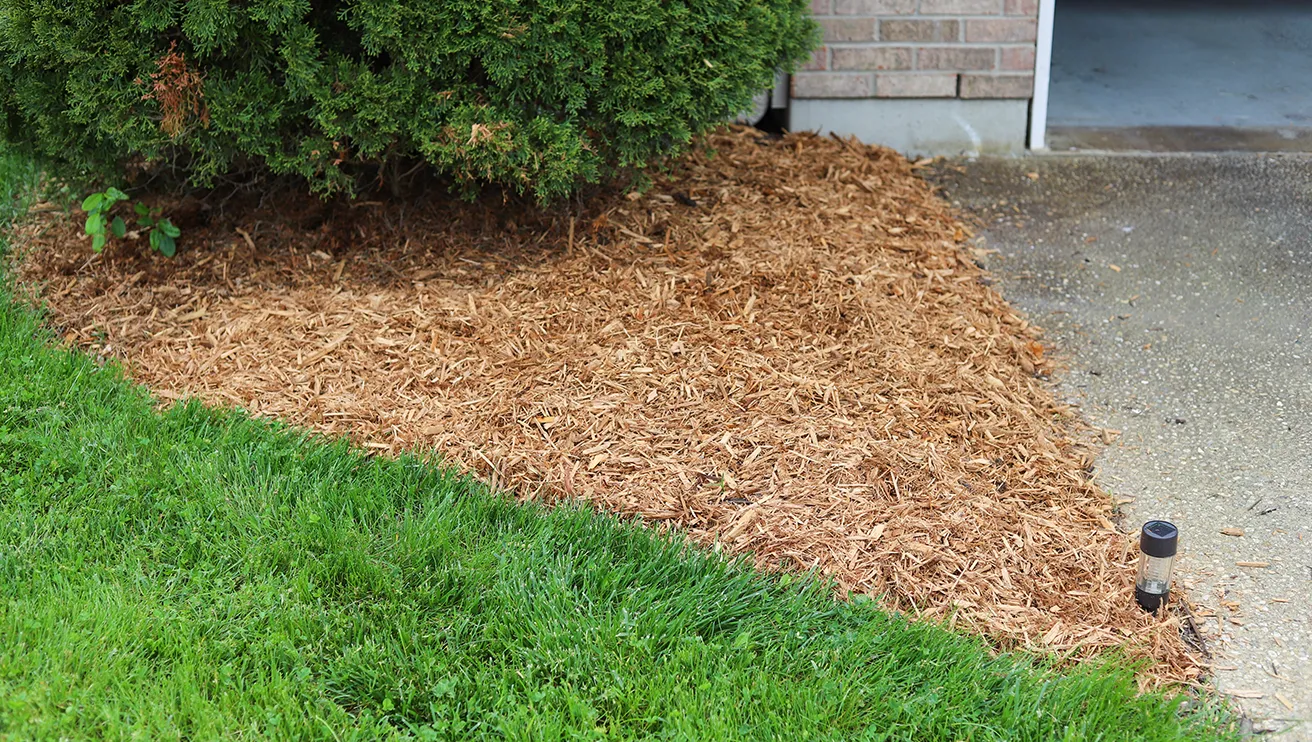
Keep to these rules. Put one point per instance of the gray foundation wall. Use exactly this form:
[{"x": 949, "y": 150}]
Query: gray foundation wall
[{"x": 919, "y": 127}]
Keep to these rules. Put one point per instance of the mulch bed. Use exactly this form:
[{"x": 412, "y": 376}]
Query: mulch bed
[{"x": 783, "y": 348}]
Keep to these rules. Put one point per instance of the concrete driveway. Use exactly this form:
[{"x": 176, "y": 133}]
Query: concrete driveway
[{"x": 1180, "y": 291}]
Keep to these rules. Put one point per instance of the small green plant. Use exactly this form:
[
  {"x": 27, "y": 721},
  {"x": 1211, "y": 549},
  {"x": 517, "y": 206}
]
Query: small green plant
[
  {"x": 163, "y": 233},
  {"x": 98, "y": 206}
]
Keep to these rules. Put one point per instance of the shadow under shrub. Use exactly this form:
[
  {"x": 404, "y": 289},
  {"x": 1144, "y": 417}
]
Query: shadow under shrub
[{"x": 537, "y": 95}]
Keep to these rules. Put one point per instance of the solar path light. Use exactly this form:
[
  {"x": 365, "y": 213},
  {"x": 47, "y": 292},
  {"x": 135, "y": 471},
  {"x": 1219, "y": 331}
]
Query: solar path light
[{"x": 1157, "y": 546}]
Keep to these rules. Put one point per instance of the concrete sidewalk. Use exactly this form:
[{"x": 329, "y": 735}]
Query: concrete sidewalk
[{"x": 1180, "y": 291}]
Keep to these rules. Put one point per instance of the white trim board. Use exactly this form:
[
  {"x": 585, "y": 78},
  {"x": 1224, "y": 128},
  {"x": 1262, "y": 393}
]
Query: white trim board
[{"x": 1042, "y": 74}]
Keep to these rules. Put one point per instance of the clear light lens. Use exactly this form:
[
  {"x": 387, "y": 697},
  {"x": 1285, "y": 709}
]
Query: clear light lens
[{"x": 1154, "y": 574}]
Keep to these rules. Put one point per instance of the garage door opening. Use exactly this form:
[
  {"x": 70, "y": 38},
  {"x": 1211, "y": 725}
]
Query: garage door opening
[{"x": 1178, "y": 75}]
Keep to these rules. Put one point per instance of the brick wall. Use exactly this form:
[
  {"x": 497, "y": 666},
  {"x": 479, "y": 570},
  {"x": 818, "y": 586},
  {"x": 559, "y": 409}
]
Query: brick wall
[{"x": 922, "y": 49}]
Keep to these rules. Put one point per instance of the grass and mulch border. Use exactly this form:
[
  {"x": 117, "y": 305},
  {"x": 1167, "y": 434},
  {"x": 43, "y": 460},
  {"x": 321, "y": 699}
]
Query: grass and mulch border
[
  {"x": 195, "y": 573},
  {"x": 782, "y": 349},
  {"x": 192, "y": 572}
]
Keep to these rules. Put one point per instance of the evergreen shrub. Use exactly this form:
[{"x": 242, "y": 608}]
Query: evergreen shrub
[{"x": 539, "y": 95}]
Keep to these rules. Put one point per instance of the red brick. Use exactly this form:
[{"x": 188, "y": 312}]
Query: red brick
[
  {"x": 875, "y": 7},
  {"x": 831, "y": 85},
  {"x": 872, "y": 58},
  {"x": 997, "y": 86},
  {"x": 995, "y": 30},
  {"x": 1022, "y": 7},
  {"x": 955, "y": 58},
  {"x": 916, "y": 85},
  {"x": 961, "y": 7},
  {"x": 820, "y": 7},
  {"x": 1019, "y": 58},
  {"x": 819, "y": 60},
  {"x": 848, "y": 29},
  {"x": 919, "y": 30}
]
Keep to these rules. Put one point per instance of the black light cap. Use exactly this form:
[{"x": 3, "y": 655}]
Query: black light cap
[{"x": 1159, "y": 538}]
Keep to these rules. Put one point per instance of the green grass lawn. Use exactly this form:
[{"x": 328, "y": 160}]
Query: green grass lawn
[
  {"x": 18, "y": 178},
  {"x": 194, "y": 573}
]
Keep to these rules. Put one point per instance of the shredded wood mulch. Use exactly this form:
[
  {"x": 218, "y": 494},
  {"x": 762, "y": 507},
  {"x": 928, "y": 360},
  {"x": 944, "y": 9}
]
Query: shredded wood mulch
[{"x": 784, "y": 348}]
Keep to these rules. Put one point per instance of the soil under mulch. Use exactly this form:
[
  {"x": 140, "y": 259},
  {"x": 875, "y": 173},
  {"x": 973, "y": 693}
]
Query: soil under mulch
[{"x": 782, "y": 348}]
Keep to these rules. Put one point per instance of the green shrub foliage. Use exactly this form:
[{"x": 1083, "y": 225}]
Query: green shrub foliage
[{"x": 540, "y": 95}]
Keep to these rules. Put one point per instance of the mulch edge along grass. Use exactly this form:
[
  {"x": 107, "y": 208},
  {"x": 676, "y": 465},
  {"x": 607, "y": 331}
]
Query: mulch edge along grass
[
  {"x": 196, "y": 573},
  {"x": 784, "y": 349}
]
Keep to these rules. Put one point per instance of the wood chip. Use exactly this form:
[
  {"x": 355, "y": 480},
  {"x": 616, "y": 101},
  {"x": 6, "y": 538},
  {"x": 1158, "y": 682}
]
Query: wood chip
[
  {"x": 1253, "y": 564},
  {"x": 1232, "y": 531},
  {"x": 1244, "y": 693},
  {"x": 1284, "y": 701},
  {"x": 782, "y": 349}
]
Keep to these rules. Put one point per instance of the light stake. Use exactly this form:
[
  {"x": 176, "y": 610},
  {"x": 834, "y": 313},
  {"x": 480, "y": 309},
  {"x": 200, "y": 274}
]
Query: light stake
[{"x": 1157, "y": 545}]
